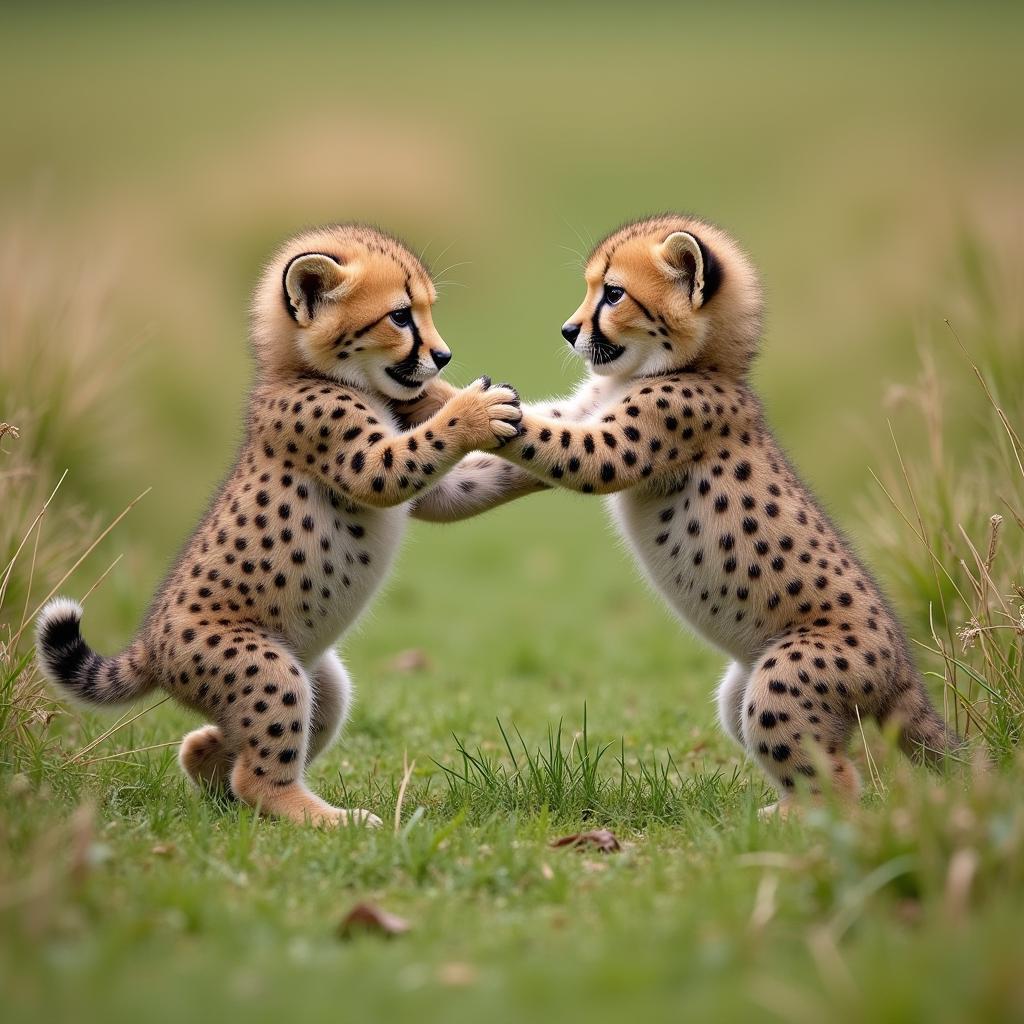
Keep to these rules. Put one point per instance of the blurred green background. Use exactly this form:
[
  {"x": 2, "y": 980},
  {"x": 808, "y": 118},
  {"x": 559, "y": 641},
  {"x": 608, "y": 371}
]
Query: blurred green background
[
  {"x": 869, "y": 156},
  {"x": 165, "y": 153}
]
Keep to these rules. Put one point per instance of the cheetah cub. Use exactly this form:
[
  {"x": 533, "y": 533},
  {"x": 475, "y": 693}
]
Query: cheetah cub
[
  {"x": 305, "y": 527},
  {"x": 669, "y": 426}
]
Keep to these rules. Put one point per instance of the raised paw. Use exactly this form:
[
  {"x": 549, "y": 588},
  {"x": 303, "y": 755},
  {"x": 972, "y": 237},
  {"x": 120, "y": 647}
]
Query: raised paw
[{"x": 498, "y": 412}]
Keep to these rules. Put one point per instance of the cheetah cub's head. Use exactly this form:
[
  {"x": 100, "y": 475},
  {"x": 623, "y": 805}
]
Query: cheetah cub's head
[
  {"x": 667, "y": 293},
  {"x": 351, "y": 303}
]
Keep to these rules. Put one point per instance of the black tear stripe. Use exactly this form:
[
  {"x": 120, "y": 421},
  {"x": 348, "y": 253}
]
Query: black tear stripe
[
  {"x": 595, "y": 323},
  {"x": 605, "y": 350},
  {"x": 411, "y": 362},
  {"x": 292, "y": 310}
]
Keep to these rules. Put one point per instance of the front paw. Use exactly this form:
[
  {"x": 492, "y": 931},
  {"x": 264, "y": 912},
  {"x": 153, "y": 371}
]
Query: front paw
[
  {"x": 435, "y": 395},
  {"x": 492, "y": 413}
]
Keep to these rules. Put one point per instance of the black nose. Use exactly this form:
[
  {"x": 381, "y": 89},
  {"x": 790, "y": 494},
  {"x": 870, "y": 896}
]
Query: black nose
[
  {"x": 571, "y": 332},
  {"x": 441, "y": 359}
]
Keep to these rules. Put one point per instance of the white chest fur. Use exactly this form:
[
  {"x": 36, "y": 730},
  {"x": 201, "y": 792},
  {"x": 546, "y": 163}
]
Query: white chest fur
[{"x": 669, "y": 538}]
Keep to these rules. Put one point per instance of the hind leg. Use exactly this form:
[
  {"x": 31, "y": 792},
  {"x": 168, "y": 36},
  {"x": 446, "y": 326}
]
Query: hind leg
[
  {"x": 332, "y": 703},
  {"x": 730, "y": 700},
  {"x": 262, "y": 701},
  {"x": 798, "y": 717},
  {"x": 207, "y": 760}
]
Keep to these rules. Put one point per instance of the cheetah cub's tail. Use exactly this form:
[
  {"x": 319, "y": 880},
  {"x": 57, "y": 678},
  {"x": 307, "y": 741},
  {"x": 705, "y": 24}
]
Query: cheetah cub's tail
[
  {"x": 72, "y": 665},
  {"x": 924, "y": 735}
]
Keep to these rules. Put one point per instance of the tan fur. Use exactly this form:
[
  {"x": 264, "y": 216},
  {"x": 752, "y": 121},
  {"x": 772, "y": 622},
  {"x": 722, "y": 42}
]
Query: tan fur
[{"x": 304, "y": 528}]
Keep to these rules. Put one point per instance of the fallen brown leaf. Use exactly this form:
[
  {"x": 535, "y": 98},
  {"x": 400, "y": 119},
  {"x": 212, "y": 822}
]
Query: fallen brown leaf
[
  {"x": 602, "y": 840},
  {"x": 369, "y": 918}
]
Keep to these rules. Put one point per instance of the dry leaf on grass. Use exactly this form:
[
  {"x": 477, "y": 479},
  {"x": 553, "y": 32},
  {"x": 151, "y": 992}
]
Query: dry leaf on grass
[
  {"x": 601, "y": 840},
  {"x": 413, "y": 660},
  {"x": 368, "y": 918}
]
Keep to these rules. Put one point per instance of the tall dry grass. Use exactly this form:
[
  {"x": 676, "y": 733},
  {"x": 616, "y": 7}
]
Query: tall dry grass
[
  {"x": 950, "y": 516},
  {"x": 58, "y": 359},
  {"x": 57, "y": 347}
]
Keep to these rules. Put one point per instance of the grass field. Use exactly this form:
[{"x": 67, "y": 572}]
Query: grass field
[{"x": 870, "y": 158}]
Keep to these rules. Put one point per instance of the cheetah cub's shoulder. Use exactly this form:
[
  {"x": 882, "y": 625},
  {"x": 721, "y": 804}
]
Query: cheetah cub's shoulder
[
  {"x": 305, "y": 526},
  {"x": 669, "y": 427}
]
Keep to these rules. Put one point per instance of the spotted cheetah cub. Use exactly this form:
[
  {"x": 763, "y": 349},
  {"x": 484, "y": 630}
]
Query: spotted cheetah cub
[
  {"x": 305, "y": 527},
  {"x": 669, "y": 425}
]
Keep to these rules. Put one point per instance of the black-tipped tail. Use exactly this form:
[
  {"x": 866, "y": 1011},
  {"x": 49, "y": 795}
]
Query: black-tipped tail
[{"x": 69, "y": 662}]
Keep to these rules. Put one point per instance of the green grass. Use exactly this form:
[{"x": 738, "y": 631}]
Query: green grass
[{"x": 869, "y": 158}]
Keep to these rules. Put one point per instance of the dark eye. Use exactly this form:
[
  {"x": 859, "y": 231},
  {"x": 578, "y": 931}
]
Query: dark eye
[
  {"x": 401, "y": 317},
  {"x": 613, "y": 294}
]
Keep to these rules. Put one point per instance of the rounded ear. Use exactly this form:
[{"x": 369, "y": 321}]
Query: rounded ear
[
  {"x": 311, "y": 280},
  {"x": 686, "y": 258}
]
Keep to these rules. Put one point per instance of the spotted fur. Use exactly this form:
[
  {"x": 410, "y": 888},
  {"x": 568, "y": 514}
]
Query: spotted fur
[
  {"x": 669, "y": 427},
  {"x": 304, "y": 528}
]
